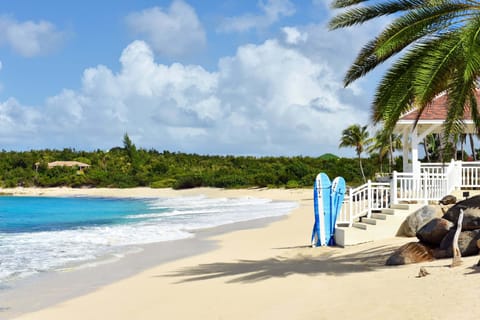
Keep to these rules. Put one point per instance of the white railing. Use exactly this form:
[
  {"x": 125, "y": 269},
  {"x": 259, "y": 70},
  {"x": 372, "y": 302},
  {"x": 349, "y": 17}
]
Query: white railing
[
  {"x": 433, "y": 168},
  {"x": 424, "y": 187},
  {"x": 470, "y": 173},
  {"x": 434, "y": 181},
  {"x": 361, "y": 201}
]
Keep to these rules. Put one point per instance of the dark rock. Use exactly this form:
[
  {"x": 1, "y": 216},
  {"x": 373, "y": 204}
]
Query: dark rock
[
  {"x": 471, "y": 213},
  {"x": 434, "y": 231},
  {"x": 467, "y": 244},
  {"x": 416, "y": 220},
  {"x": 411, "y": 252},
  {"x": 448, "y": 199}
]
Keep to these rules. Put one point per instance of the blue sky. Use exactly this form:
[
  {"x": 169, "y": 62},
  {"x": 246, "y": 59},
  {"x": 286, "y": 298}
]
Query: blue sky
[{"x": 256, "y": 77}]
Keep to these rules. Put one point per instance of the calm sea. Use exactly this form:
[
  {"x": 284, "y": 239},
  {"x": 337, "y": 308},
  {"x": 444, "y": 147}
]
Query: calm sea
[{"x": 39, "y": 234}]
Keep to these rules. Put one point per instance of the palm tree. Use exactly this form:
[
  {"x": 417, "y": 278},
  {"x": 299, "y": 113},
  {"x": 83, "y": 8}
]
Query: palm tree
[
  {"x": 472, "y": 146},
  {"x": 385, "y": 144},
  {"x": 356, "y": 136},
  {"x": 378, "y": 148},
  {"x": 439, "y": 42}
]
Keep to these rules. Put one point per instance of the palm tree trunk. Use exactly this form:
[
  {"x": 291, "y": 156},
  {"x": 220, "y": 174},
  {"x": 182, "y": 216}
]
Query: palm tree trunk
[
  {"x": 462, "y": 147},
  {"x": 391, "y": 153},
  {"x": 425, "y": 148},
  {"x": 472, "y": 146},
  {"x": 361, "y": 168}
]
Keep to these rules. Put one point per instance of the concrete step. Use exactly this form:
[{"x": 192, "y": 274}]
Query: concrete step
[
  {"x": 388, "y": 211},
  {"x": 350, "y": 236},
  {"x": 401, "y": 206},
  {"x": 369, "y": 221},
  {"x": 379, "y": 216},
  {"x": 359, "y": 225},
  {"x": 362, "y": 232}
]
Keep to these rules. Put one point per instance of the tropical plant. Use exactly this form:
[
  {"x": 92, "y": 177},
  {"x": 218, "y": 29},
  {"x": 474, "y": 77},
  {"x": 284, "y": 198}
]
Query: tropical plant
[
  {"x": 356, "y": 136},
  {"x": 440, "y": 45},
  {"x": 385, "y": 143}
]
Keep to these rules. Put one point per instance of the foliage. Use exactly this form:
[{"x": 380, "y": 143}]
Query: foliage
[
  {"x": 356, "y": 136},
  {"x": 132, "y": 167},
  {"x": 438, "y": 43}
]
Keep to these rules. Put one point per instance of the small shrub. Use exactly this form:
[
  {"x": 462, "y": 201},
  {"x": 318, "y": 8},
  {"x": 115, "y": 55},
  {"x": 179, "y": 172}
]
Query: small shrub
[
  {"x": 164, "y": 183},
  {"x": 292, "y": 184}
]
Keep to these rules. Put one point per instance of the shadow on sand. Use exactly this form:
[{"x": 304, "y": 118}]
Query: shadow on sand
[{"x": 249, "y": 271}]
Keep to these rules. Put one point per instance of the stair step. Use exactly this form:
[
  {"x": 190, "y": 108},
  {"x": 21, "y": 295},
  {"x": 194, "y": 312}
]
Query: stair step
[
  {"x": 359, "y": 225},
  {"x": 401, "y": 206},
  {"x": 369, "y": 221},
  {"x": 388, "y": 211},
  {"x": 379, "y": 216}
]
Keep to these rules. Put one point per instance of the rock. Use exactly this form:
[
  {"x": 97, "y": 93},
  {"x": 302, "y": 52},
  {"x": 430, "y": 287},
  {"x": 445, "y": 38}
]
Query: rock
[
  {"x": 416, "y": 220},
  {"x": 448, "y": 199},
  {"x": 467, "y": 244},
  {"x": 434, "y": 231},
  {"x": 411, "y": 252},
  {"x": 471, "y": 211},
  {"x": 422, "y": 272}
]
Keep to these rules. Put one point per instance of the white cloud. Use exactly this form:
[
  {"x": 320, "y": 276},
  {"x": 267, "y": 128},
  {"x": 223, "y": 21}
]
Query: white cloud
[
  {"x": 30, "y": 38},
  {"x": 281, "y": 97},
  {"x": 266, "y": 99},
  {"x": 293, "y": 36},
  {"x": 19, "y": 124},
  {"x": 174, "y": 32},
  {"x": 272, "y": 11}
]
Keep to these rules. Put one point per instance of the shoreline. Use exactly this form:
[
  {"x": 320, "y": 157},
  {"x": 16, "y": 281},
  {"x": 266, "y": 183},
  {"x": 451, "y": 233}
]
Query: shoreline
[
  {"x": 36, "y": 292},
  {"x": 271, "y": 272},
  {"x": 47, "y": 289}
]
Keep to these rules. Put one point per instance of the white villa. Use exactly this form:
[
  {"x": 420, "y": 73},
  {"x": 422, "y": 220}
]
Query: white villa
[{"x": 418, "y": 184}]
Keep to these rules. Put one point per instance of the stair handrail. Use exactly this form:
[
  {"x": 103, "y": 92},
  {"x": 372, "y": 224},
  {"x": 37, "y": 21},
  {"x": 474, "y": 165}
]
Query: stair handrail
[{"x": 362, "y": 200}]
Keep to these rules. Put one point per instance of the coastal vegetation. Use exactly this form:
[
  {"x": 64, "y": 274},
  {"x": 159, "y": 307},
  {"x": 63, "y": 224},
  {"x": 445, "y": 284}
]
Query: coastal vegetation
[
  {"x": 437, "y": 45},
  {"x": 356, "y": 136},
  {"x": 128, "y": 166}
]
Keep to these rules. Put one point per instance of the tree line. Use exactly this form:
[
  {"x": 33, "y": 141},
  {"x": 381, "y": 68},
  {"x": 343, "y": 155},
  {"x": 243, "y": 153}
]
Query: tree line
[{"x": 128, "y": 166}]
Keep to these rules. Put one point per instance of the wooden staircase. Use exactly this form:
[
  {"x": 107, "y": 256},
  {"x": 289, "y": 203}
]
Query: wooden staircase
[{"x": 381, "y": 225}]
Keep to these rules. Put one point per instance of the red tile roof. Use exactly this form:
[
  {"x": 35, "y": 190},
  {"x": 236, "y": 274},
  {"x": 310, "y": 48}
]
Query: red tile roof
[{"x": 437, "y": 110}]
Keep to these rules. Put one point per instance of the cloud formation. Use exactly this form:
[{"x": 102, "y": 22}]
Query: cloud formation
[
  {"x": 293, "y": 36},
  {"x": 30, "y": 38},
  {"x": 281, "y": 97},
  {"x": 174, "y": 32},
  {"x": 272, "y": 11},
  {"x": 266, "y": 99}
]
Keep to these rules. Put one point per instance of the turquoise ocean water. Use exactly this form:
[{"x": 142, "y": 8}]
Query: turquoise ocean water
[{"x": 39, "y": 234}]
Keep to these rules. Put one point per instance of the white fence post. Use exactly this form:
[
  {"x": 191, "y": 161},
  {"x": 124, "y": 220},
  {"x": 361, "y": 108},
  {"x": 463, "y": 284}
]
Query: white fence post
[
  {"x": 350, "y": 207},
  {"x": 425, "y": 188},
  {"x": 370, "y": 198},
  {"x": 393, "y": 188}
]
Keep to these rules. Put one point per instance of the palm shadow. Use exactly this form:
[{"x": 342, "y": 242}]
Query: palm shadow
[{"x": 249, "y": 271}]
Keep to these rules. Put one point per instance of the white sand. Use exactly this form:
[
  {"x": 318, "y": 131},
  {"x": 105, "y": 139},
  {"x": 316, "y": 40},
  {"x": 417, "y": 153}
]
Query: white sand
[{"x": 271, "y": 273}]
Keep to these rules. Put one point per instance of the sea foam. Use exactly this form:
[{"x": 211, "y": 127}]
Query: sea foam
[{"x": 26, "y": 253}]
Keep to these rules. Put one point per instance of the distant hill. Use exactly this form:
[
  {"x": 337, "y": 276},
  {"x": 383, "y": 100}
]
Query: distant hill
[{"x": 328, "y": 156}]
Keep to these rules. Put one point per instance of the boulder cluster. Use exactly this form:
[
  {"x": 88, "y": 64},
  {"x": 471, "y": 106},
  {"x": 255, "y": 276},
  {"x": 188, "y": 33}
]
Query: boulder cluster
[{"x": 435, "y": 232}]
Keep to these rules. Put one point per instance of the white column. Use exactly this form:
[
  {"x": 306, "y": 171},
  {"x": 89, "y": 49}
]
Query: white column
[
  {"x": 406, "y": 146},
  {"x": 415, "y": 163}
]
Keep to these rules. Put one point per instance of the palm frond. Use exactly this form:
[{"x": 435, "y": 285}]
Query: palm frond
[
  {"x": 360, "y": 15},
  {"x": 401, "y": 33},
  {"x": 439, "y": 60},
  {"x": 338, "y": 4}
]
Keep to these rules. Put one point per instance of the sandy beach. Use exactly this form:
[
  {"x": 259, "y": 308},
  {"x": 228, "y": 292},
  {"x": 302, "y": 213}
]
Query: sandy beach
[{"x": 270, "y": 272}]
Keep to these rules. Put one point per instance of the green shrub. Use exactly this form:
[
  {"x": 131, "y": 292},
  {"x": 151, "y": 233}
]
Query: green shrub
[
  {"x": 292, "y": 184},
  {"x": 188, "y": 182},
  {"x": 164, "y": 183}
]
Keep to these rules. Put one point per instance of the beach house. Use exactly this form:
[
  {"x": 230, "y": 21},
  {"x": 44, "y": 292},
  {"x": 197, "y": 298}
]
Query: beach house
[
  {"x": 80, "y": 165},
  {"x": 420, "y": 183}
]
